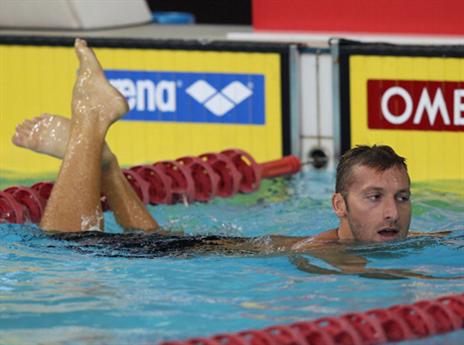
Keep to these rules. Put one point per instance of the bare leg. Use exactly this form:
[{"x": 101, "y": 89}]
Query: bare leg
[
  {"x": 74, "y": 204},
  {"x": 49, "y": 134},
  {"x": 128, "y": 209}
]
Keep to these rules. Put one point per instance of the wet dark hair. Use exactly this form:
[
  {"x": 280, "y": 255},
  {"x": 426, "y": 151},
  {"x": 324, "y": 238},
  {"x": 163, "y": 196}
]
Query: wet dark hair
[{"x": 379, "y": 157}]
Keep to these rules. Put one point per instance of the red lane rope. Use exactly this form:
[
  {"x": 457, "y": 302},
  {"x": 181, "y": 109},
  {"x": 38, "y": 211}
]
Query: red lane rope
[
  {"x": 186, "y": 179},
  {"x": 377, "y": 326}
]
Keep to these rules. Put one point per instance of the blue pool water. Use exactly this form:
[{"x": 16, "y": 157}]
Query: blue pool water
[{"x": 53, "y": 294}]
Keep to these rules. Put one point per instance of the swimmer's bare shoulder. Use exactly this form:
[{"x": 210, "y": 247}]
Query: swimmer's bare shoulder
[
  {"x": 329, "y": 235},
  {"x": 316, "y": 242}
]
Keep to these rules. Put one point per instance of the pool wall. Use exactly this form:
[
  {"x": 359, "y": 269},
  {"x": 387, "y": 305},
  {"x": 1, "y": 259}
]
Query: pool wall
[
  {"x": 185, "y": 97},
  {"x": 308, "y": 97}
]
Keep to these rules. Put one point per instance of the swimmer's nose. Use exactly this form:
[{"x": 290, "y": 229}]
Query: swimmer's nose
[{"x": 391, "y": 210}]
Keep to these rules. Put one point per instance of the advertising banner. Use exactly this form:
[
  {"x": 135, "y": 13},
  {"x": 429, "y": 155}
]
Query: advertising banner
[
  {"x": 184, "y": 99},
  {"x": 341, "y": 16},
  {"x": 411, "y": 98}
]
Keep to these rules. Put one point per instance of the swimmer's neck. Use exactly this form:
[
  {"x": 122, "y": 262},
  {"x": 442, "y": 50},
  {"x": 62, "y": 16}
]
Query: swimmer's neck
[{"x": 342, "y": 233}]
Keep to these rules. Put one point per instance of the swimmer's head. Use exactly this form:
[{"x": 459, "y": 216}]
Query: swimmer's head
[
  {"x": 377, "y": 157},
  {"x": 372, "y": 195}
]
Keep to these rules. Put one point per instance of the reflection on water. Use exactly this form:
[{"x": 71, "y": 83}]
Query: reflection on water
[{"x": 55, "y": 294}]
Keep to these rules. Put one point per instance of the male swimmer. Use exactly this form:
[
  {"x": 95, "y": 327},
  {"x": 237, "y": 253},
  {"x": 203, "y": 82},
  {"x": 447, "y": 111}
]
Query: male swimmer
[{"x": 372, "y": 197}]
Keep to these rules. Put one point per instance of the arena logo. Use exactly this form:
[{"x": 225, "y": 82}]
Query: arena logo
[
  {"x": 145, "y": 95},
  {"x": 415, "y": 105},
  {"x": 219, "y": 102},
  {"x": 191, "y": 97}
]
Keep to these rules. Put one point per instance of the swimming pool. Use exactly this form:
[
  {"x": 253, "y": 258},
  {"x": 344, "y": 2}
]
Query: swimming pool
[{"x": 52, "y": 293}]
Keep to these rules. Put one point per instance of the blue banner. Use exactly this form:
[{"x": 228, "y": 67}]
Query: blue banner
[{"x": 191, "y": 97}]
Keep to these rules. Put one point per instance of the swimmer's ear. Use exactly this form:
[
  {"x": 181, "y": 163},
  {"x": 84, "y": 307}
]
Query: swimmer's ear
[{"x": 339, "y": 205}]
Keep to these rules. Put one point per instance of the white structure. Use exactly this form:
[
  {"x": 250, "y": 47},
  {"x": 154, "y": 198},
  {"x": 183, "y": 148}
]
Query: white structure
[{"x": 72, "y": 14}]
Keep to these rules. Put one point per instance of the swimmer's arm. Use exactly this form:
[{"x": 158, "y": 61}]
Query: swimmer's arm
[
  {"x": 403, "y": 274},
  {"x": 359, "y": 269},
  {"x": 332, "y": 254},
  {"x": 430, "y": 234},
  {"x": 393, "y": 273},
  {"x": 303, "y": 265}
]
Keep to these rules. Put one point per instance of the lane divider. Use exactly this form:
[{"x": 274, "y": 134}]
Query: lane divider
[
  {"x": 376, "y": 326},
  {"x": 186, "y": 179}
]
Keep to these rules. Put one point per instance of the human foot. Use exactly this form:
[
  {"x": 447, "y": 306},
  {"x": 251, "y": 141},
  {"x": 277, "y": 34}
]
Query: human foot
[
  {"x": 94, "y": 98},
  {"x": 49, "y": 134}
]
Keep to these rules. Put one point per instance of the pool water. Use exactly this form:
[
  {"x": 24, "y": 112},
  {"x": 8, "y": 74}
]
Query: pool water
[{"x": 51, "y": 293}]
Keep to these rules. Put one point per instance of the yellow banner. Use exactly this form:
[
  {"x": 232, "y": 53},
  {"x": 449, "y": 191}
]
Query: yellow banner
[
  {"x": 414, "y": 105},
  {"x": 39, "y": 79}
]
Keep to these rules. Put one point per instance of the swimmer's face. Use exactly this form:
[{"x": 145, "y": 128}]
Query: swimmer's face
[{"x": 377, "y": 205}]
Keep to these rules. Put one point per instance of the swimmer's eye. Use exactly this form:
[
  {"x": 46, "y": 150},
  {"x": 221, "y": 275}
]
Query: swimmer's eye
[
  {"x": 374, "y": 197},
  {"x": 403, "y": 197}
]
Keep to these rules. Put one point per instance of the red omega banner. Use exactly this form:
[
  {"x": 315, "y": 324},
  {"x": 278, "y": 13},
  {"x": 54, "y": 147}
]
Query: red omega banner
[
  {"x": 411, "y": 98},
  {"x": 415, "y": 105}
]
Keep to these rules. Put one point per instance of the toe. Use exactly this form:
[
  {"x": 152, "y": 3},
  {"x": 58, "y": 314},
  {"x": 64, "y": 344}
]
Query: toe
[
  {"x": 35, "y": 122},
  {"x": 81, "y": 49},
  {"x": 22, "y": 131},
  {"x": 79, "y": 42},
  {"x": 18, "y": 139},
  {"x": 26, "y": 125},
  {"x": 19, "y": 128},
  {"x": 86, "y": 56}
]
